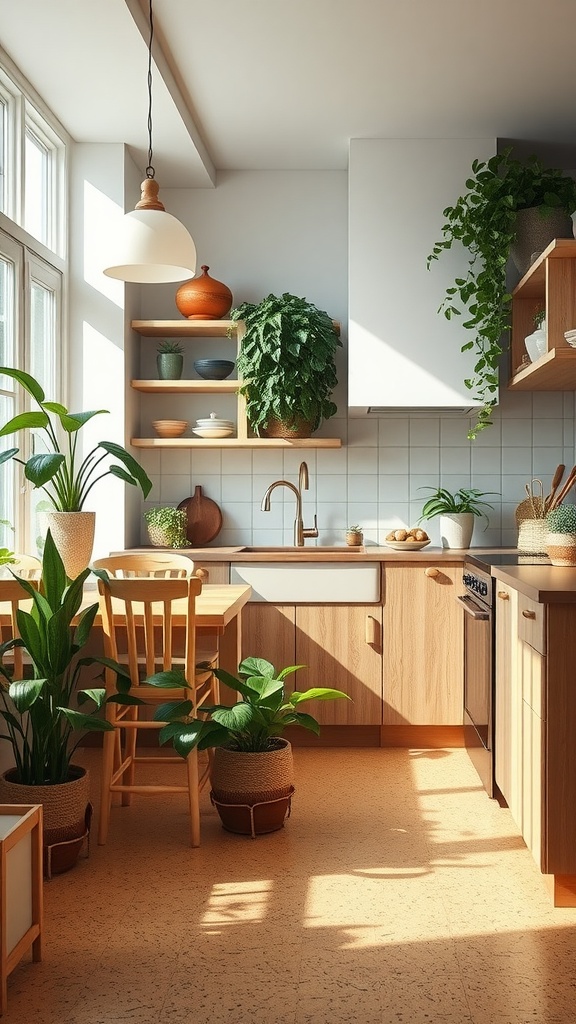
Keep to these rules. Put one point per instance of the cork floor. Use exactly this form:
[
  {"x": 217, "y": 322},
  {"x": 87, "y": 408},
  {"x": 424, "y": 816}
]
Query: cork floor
[{"x": 397, "y": 893}]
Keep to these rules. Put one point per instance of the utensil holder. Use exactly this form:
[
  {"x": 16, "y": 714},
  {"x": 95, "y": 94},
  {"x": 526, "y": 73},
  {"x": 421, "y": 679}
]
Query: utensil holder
[{"x": 532, "y": 536}]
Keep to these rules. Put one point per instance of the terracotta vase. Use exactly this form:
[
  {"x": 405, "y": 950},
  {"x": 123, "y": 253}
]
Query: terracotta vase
[
  {"x": 73, "y": 535},
  {"x": 204, "y": 298}
]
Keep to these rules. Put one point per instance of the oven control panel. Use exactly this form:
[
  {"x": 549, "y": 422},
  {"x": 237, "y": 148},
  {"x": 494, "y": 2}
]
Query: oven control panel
[{"x": 476, "y": 584}]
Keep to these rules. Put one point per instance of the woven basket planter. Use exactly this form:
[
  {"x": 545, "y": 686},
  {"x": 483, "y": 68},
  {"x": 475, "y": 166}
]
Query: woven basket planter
[
  {"x": 252, "y": 792},
  {"x": 66, "y": 814},
  {"x": 296, "y": 428},
  {"x": 73, "y": 535},
  {"x": 561, "y": 548}
]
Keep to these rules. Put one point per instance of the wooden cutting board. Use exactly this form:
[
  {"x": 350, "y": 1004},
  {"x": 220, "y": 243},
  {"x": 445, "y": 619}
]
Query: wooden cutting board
[{"x": 204, "y": 518}]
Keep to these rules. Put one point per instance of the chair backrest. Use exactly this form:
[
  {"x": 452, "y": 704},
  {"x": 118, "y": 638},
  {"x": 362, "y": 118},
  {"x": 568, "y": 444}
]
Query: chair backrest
[
  {"x": 12, "y": 595},
  {"x": 145, "y": 613},
  {"x": 140, "y": 565},
  {"x": 27, "y": 566}
]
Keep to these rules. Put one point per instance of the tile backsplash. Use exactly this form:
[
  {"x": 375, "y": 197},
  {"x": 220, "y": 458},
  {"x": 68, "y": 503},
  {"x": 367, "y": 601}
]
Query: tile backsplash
[{"x": 378, "y": 478}]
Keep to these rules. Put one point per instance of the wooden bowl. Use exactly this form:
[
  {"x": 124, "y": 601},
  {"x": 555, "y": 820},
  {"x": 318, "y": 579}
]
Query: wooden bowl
[{"x": 170, "y": 428}]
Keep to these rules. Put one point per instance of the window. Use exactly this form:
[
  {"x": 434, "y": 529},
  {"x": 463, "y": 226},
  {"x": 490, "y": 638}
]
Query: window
[{"x": 32, "y": 165}]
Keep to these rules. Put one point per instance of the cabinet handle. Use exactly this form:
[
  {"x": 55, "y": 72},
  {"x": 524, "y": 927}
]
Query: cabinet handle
[
  {"x": 371, "y": 631},
  {"x": 202, "y": 574},
  {"x": 503, "y": 595},
  {"x": 431, "y": 571},
  {"x": 528, "y": 614}
]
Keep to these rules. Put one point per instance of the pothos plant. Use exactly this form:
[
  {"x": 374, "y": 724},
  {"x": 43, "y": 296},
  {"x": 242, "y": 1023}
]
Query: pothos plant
[
  {"x": 484, "y": 221},
  {"x": 286, "y": 360}
]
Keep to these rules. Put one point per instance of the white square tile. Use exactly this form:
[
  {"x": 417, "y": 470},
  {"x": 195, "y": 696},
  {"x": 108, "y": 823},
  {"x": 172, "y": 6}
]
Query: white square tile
[
  {"x": 455, "y": 460},
  {"x": 267, "y": 538},
  {"x": 363, "y": 488},
  {"x": 517, "y": 433},
  {"x": 454, "y": 432},
  {"x": 424, "y": 460},
  {"x": 393, "y": 487},
  {"x": 236, "y": 488},
  {"x": 490, "y": 484},
  {"x": 515, "y": 405},
  {"x": 232, "y": 538},
  {"x": 175, "y": 462},
  {"x": 547, "y": 404},
  {"x": 292, "y": 459},
  {"x": 489, "y": 437},
  {"x": 516, "y": 460},
  {"x": 272, "y": 520},
  {"x": 363, "y": 513},
  {"x": 331, "y": 488},
  {"x": 236, "y": 515},
  {"x": 514, "y": 487},
  {"x": 422, "y": 485},
  {"x": 394, "y": 460},
  {"x": 393, "y": 431},
  {"x": 362, "y": 432},
  {"x": 154, "y": 495},
  {"x": 425, "y": 431},
  {"x": 393, "y": 515},
  {"x": 547, "y": 432},
  {"x": 268, "y": 463},
  {"x": 486, "y": 460},
  {"x": 150, "y": 461},
  {"x": 544, "y": 462},
  {"x": 236, "y": 460},
  {"x": 209, "y": 462},
  {"x": 362, "y": 461},
  {"x": 211, "y": 487},
  {"x": 174, "y": 488},
  {"x": 331, "y": 461}
]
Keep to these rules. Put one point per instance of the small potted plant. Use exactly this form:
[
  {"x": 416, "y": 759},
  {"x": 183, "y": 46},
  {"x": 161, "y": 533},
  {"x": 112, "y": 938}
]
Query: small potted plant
[
  {"x": 457, "y": 513},
  {"x": 170, "y": 360},
  {"x": 287, "y": 364},
  {"x": 252, "y": 772},
  {"x": 561, "y": 537},
  {"x": 354, "y": 536},
  {"x": 501, "y": 193},
  {"x": 167, "y": 527}
]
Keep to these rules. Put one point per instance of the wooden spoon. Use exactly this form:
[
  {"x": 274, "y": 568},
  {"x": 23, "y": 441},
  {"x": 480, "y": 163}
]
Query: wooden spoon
[
  {"x": 554, "y": 487},
  {"x": 559, "y": 497}
]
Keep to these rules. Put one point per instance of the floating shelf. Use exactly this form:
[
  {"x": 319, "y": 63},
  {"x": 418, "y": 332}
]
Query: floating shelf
[
  {"x": 235, "y": 442},
  {"x": 554, "y": 371},
  {"x": 182, "y": 387}
]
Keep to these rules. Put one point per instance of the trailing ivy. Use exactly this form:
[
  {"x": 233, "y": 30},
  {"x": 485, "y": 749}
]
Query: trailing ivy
[{"x": 484, "y": 221}]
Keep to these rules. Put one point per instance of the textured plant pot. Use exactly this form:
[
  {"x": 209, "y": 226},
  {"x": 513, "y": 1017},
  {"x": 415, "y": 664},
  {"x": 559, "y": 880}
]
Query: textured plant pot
[
  {"x": 298, "y": 427},
  {"x": 66, "y": 813},
  {"x": 354, "y": 540},
  {"x": 73, "y": 535},
  {"x": 252, "y": 792},
  {"x": 204, "y": 298},
  {"x": 534, "y": 233},
  {"x": 170, "y": 365},
  {"x": 561, "y": 548},
  {"x": 456, "y": 530}
]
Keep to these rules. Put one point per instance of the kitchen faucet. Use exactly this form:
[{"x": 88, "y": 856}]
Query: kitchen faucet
[{"x": 300, "y": 532}]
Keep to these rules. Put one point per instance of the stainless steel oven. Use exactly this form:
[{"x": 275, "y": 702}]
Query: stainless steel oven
[{"x": 477, "y": 604}]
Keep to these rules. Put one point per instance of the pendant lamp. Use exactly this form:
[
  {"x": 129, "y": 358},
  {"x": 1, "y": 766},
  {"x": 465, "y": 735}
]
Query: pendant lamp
[{"x": 152, "y": 246}]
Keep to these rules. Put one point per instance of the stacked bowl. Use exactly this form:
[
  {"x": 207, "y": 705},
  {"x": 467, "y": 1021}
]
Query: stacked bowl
[
  {"x": 214, "y": 427},
  {"x": 571, "y": 338}
]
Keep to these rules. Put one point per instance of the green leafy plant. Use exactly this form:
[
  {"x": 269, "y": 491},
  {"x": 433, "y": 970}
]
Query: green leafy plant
[
  {"x": 286, "y": 361},
  {"x": 354, "y": 529},
  {"x": 484, "y": 221},
  {"x": 65, "y": 479},
  {"x": 250, "y": 725},
  {"x": 6, "y": 554},
  {"x": 167, "y": 526},
  {"x": 170, "y": 348},
  {"x": 539, "y": 318},
  {"x": 442, "y": 502},
  {"x": 562, "y": 519},
  {"x": 41, "y": 726}
]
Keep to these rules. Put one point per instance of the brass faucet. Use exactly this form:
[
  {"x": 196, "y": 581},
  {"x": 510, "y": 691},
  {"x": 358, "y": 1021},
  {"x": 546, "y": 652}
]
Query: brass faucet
[{"x": 300, "y": 532}]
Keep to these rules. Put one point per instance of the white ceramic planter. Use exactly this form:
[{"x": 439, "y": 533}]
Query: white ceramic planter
[{"x": 456, "y": 530}]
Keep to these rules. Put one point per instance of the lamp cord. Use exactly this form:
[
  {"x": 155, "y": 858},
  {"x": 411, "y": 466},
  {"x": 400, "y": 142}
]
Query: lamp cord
[{"x": 150, "y": 172}]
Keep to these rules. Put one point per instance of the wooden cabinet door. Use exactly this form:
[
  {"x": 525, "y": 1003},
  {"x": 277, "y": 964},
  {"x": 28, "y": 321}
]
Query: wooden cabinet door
[
  {"x": 268, "y": 632},
  {"x": 423, "y": 645},
  {"x": 508, "y": 696},
  {"x": 212, "y": 572},
  {"x": 341, "y": 646}
]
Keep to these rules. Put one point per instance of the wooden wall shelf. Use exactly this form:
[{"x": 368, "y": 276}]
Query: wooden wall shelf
[{"x": 235, "y": 442}]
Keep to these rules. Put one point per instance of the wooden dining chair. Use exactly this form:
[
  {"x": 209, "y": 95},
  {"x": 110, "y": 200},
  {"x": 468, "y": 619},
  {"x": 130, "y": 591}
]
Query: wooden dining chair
[
  {"x": 140, "y": 621},
  {"x": 130, "y": 565},
  {"x": 13, "y": 595},
  {"x": 27, "y": 566}
]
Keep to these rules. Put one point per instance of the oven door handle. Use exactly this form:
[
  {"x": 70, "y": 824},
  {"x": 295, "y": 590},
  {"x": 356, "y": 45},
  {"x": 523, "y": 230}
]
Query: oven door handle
[{"x": 471, "y": 608}]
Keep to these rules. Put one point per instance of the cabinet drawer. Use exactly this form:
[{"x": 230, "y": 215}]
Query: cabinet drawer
[
  {"x": 212, "y": 572},
  {"x": 531, "y": 623}
]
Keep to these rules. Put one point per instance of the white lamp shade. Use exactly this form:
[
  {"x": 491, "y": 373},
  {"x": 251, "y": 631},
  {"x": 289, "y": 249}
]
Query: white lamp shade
[{"x": 152, "y": 247}]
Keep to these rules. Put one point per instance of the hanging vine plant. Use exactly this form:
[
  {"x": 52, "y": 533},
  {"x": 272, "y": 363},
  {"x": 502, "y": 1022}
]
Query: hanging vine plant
[{"x": 484, "y": 221}]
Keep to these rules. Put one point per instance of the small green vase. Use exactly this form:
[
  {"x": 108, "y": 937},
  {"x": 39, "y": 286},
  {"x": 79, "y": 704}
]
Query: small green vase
[{"x": 170, "y": 365}]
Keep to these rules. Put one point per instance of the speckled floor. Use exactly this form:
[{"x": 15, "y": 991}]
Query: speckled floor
[{"x": 397, "y": 893}]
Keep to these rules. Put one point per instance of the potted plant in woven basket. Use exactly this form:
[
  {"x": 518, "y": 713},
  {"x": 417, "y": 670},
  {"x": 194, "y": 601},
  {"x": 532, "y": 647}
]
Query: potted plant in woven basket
[
  {"x": 41, "y": 722},
  {"x": 561, "y": 535},
  {"x": 252, "y": 773},
  {"x": 167, "y": 527},
  {"x": 287, "y": 364}
]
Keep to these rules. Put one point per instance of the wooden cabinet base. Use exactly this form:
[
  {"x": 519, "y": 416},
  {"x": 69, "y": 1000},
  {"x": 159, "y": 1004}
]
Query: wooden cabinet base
[
  {"x": 420, "y": 736},
  {"x": 562, "y": 889}
]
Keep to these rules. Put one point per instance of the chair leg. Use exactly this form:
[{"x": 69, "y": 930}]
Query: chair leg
[
  {"x": 108, "y": 752},
  {"x": 193, "y": 796},
  {"x": 130, "y": 748}
]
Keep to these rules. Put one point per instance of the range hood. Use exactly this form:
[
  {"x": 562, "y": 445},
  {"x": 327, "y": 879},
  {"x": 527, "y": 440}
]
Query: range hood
[{"x": 420, "y": 410}]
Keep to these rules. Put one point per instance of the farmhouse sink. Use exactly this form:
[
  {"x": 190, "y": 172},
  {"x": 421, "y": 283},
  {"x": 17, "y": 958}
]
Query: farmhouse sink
[{"x": 309, "y": 582}]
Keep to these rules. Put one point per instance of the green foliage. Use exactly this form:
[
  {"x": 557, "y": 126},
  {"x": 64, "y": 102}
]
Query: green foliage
[
  {"x": 354, "y": 529},
  {"x": 539, "y": 318},
  {"x": 442, "y": 502},
  {"x": 170, "y": 348},
  {"x": 40, "y": 723},
  {"x": 562, "y": 519},
  {"x": 287, "y": 360},
  {"x": 249, "y": 725},
  {"x": 66, "y": 481},
  {"x": 171, "y": 522},
  {"x": 484, "y": 221}
]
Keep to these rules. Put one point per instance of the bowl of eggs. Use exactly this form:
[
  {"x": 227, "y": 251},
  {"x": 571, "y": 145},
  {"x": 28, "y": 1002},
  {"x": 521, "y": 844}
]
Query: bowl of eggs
[{"x": 407, "y": 540}]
